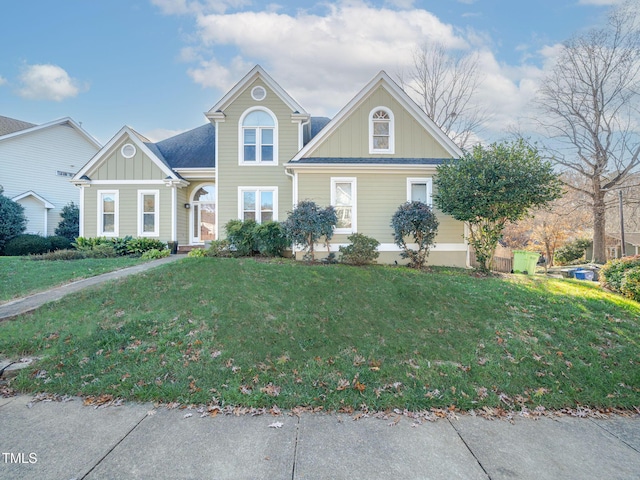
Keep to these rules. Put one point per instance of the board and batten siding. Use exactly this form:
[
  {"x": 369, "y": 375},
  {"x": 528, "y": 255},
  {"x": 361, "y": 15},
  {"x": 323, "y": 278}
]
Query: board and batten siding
[
  {"x": 231, "y": 175},
  {"x": 127, "y": 209},
  {"x": 378, "y": 196},
  {"x": 44, "y": 161},
  {"x": 116, "y": 167},
  {"x": 351, "y": 138}
]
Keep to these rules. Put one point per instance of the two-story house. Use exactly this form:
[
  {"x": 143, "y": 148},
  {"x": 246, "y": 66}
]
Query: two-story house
[{"x": 259, "y": 155}]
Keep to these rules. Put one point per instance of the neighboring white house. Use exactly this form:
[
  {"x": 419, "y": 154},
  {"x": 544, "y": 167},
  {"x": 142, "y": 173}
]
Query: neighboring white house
[{"x": 36, "y": 163}]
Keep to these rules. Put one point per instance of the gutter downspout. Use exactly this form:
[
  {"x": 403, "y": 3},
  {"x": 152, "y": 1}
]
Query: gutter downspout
[{"x": 294, "y": 197}]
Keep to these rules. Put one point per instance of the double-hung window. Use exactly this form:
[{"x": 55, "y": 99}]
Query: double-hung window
[
  {"x": 258, "y": 139},
  {"x": 343, "y": 199},
  {"x": 258, "y": 203},
  {"x": 381, "y": 131},
  {"x": 419, "y": 190},
  {"x": 107, "y": 213},
  {"x": 148, "y": 208}
]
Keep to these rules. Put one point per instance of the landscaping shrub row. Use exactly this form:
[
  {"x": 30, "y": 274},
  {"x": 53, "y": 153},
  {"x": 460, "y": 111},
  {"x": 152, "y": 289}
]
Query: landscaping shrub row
[
  {"x": 622, "y": 275},
  {"x": 30, "y": 244}
]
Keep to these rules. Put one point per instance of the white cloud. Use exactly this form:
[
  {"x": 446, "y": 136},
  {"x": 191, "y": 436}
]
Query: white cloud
[
  {"x": 47, "y": 82},
  {"x": 182, "y": 7},
  {"x": 599, "y": 2},
  {"x": 318, "y": 59},
  {"x": 159, "y": 134}
]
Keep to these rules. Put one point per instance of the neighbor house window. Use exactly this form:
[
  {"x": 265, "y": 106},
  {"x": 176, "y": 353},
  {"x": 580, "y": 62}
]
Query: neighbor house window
[
  {"x": 148, "y": 213},
  {"x": 258, "y": 203},
  {"x": 419, "y": 190},
  {"x": 381, "y": 131},
  {"x": 258, "y": 134},
  {"x": 107, "y": 213},
  {"x": 343, "y": 199}
]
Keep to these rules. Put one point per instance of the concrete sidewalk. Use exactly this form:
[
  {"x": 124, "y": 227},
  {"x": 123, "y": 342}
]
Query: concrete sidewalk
[
  {"x": 30, "y": 303},
  {"x": 64, "y": 441}
]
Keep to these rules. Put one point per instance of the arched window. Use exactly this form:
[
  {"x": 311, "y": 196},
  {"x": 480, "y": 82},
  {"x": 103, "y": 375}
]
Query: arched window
[
  {"x": 381, "y": 131},
  {"x": 258, "y": 137}
]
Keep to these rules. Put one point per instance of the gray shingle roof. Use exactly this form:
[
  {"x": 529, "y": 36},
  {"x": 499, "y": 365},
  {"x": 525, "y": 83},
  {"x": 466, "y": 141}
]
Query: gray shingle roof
[
  {"x": 371, "y": 161},
  {"x": 11, "y": 125},
  {"x": 192, "y": 149}
]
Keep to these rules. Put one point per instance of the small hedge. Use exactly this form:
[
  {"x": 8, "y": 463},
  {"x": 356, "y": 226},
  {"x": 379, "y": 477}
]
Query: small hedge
[
  {"x": 27, "y": 244},
  {"x": 115, "y": 247},
  {"x": 361, "y": 251},
  {"x": 630, "y": 285}
]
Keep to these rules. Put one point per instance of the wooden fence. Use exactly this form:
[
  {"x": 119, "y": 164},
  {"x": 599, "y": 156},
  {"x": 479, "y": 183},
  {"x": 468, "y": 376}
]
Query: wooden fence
[{"x": 500, "y": 264}]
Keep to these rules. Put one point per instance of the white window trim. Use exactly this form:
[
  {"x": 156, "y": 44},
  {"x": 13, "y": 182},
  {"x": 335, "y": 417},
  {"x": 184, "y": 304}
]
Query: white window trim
[
  {"x": 354, "y": 201},
  {"x": 258, "y": 154},
  {"x": 428, "y": 181},
  {"x": 116, "y": 216},
  {"x": 156, "y": 220},
  {"x": 391, "y": 149},
  {"x": 258, "y": 191},
  {"x": 197, "y": 240}
]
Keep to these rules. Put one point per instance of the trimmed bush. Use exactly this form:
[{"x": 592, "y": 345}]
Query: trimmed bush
[
  {"x": 414, "y": 220},
  {"x": 196, "y": 252},
  {"x": 69, "y": 225},
  {"x": 271, "y": 239},
  {"x": 137, "y": 246},
  {"x": 630, "y": 285},
  {"x": 101, "y": 251},
  {"x": 154, "y": 254},
  {"x": 27, "y": 244},
  {"x": 241, "y": 236},
  {"x": 59, "y": 243},
  {"x": 361, "y": 251},
  {"x": 612, "y": 273},
  {"x": 308, "y": 223},
  {"x": 219, "y": 248}
]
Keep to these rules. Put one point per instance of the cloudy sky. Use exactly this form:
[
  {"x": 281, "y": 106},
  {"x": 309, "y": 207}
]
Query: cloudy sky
[{"x": 157, "y": 65}]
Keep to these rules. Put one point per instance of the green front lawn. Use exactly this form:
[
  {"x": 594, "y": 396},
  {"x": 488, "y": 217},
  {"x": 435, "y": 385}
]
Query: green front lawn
[
  {"x": 244, "y": 332},
  {"x": 21, "y": 276}
]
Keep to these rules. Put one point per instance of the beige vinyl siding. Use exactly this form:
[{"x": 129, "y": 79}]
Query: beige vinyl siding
[
  {"x": 127, "y": 209},
  {"x": 116, "y": 167},
  {"x": 379, "y": 194},
  {"x": 231, "y": 175},
  {"x": 351, "y": 138}
]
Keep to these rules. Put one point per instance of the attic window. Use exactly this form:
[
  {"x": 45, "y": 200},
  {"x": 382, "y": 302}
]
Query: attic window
[
  {"x": 128, "y": 150},
  {"x": 381, "y": 131},
  {"x": 258, "y": 93}
]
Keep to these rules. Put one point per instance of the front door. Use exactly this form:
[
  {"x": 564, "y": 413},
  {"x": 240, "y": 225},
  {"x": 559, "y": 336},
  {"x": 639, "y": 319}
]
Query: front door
[{"x": 203, "y": 221}]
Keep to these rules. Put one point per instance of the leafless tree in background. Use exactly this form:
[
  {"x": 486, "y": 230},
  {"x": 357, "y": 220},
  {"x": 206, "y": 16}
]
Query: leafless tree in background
[
  {"x": 590, "y": 111},
  {"x": 445, "y": 86}
]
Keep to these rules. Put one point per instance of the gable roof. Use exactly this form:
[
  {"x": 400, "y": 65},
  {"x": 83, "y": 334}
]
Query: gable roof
[
  {"x": 254, "y": 73},
  {"x": 11, "y": 125},
  {"x": 140, "y": 141},
  {"x": 191, "y": 149},
  {"x": 35, "y": 128},
  {"x": 401, "y": 96},
  {"x": 33, "y": 194}
]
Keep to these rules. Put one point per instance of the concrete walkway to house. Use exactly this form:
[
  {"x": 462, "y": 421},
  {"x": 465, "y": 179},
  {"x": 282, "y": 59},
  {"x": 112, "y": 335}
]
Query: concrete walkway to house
[
  {"x": 32, "y": 302},
  {"x": 66, "y": 440}
]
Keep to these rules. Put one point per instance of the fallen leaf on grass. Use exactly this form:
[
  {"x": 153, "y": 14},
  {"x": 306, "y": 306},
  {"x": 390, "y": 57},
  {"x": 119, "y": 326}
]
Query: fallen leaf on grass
[
  {"x": 343, "y": 384},
  {"x": 271, "y": 390}
]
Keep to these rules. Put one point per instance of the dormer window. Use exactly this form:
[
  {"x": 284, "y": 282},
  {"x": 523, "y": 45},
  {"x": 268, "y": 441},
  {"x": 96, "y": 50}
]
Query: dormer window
[
  {"x": 258, "y": 134},
  {"x": 381, "y": 131}
]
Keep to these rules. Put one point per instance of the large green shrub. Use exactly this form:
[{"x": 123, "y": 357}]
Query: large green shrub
[
  {"x": 12, "y": 220},
  {"x": 571, "y": 251},
  {"x": 271, "y": 239},
  {"x": 219, "y": 248},
  {"x": 361, "y": 251},
  {"x": 630, "y": 285},
  {"x": 612, "y": 273},
  {"x": 69, "y": 225},
  {"x": 416, "y": 221},
  {"x": 308, "y": 223},
  {"x": 27, "y": 244},
  {"x": 137, "y": 246},
  {"x": 242, "y": 237}
]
